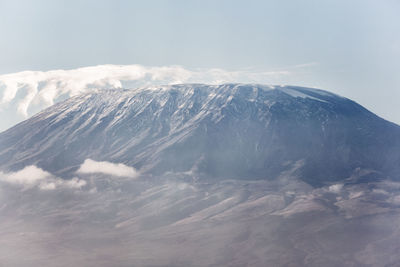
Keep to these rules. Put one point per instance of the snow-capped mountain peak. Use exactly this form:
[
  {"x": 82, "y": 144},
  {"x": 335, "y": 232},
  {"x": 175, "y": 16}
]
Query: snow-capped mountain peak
[{"x": 244, "y": 131}]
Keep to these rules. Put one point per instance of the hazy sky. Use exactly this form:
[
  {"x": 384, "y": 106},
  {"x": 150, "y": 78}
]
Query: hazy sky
[{"x": 348, "y": 47}]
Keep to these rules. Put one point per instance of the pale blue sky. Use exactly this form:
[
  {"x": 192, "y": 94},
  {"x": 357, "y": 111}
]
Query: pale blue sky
[{"x": 349, "y": 47}]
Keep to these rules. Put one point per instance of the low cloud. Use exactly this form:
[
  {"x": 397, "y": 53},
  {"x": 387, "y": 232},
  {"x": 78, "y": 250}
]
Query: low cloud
[
  {"x": 104, "y": 167},
  {"x": 74, "y": 183},
  {"x": 32, "y": 176}
]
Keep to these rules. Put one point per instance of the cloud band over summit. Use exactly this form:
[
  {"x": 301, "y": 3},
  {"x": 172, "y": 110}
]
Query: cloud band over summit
[
  {"x": 46, "y": 86},
  {"x": 27, "y": 92}
]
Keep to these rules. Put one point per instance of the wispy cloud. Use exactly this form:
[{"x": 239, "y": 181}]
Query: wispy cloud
[
  {"x": 114, "y": 169},
  {"x": 32, "y": 176}
]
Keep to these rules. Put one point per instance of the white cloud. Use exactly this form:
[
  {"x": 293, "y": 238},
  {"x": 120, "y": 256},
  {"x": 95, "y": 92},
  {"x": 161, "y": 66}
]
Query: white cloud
[
  {"x": 336, "y": 188},
  {"x": 47, "y": 186},
  {"x": 74, "y": 183},
  {"x": 54, "y": 183},
  {"x": 30, "y": 91},
  {"x": 32, "y": 176},
  {"x": 114, "y": 169},
  {"x": 357, "y": 194}
]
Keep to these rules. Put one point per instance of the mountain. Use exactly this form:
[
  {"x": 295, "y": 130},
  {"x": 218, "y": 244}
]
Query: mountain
[
  {"x": 229, "y": 131},
  {"x": 227, "y": 175}
]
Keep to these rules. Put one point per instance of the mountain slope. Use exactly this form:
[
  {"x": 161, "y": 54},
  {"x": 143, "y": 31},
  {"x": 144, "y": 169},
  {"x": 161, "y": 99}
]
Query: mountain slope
[{"x": 227, "y": 131}]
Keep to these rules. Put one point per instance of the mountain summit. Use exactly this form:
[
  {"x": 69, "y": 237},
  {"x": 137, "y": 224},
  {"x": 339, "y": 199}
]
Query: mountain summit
[{"x": 229, "y": 131}]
